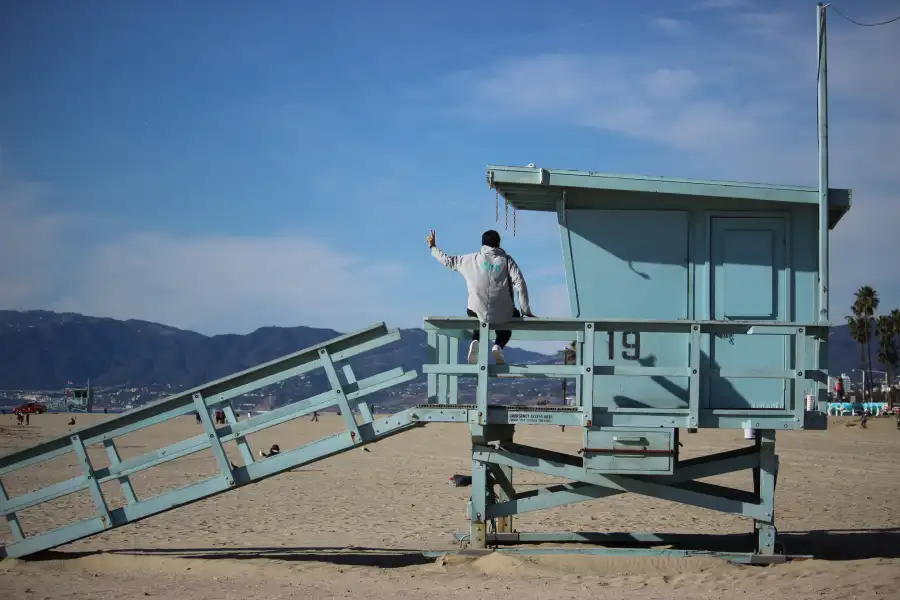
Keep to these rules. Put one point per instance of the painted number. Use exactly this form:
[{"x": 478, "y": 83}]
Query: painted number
[{"x": 631, "y": 342}]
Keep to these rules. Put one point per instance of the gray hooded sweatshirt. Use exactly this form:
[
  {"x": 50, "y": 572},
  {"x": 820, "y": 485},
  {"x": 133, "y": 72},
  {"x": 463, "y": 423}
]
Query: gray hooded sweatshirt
[{"x": 490, "y": 274}]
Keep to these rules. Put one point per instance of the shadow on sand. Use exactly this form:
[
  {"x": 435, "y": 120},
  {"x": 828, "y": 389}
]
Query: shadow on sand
[
  {"x": 835, "y": 545},
  {"x": 351, "y": 556}
]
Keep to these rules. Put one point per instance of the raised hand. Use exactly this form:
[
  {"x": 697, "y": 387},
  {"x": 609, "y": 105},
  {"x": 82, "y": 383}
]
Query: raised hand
[{"x": 430, "y": 240}]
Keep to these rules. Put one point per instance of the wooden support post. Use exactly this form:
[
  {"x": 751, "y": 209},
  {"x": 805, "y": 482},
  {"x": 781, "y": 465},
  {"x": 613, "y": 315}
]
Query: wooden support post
[
  {"x": 478, "y": 513},
  {"x": 505, "y": 524},
  {"x": 764, "y": 482},
  {"x": 502, "y": 480}
]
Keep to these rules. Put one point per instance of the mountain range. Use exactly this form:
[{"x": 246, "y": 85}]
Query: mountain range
[{"x": 45, "y": 350}]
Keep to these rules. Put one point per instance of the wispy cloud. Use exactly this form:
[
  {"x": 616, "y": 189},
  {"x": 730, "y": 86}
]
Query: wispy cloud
[
  {"x": 74, "y": 263},
  {"x": 738, "y": 102},
  {"x": 670, "y": 25},
  {"x": 714, "y": 4},
  {"x": 665, "y": 104}
]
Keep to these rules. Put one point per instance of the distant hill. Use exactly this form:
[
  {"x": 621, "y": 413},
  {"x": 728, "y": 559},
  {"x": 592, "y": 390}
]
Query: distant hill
[{"x": 45, "y": 350}]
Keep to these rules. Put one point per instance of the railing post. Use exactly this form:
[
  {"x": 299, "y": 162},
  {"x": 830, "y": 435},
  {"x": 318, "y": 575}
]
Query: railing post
[
  {"x": 433, "y": 359},
  {"x": 364, "y": 410},
  {"x": 11, "y": 518},
  {"x": 214, "y": 442},
  {"x": 338, "y": 389},
  {"x": 443, "y": 355},
  {"x": 801, "y": 376},
  {"x": 586, "y": 389},
  {"x": 453, "y": 396},
  {"x": 694, "y": 392},
  {"x": 96, "y": 493},
  {"x": 481, "y": 390},
  {"x": 114, "y": 460}
]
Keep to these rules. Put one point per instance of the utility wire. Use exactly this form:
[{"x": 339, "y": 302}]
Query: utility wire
[{"x": 845, "y": 17}]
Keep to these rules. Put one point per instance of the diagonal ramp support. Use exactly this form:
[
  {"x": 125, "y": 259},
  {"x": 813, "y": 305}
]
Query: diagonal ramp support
[{"x": 210, "y": 396}]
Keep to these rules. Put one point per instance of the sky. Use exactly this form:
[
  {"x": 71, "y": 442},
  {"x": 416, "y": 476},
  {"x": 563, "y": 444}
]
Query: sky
[{"x": 223, "y": 166}]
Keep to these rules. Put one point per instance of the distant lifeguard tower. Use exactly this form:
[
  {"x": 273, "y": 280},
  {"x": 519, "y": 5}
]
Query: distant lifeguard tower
[{"x": 80, "y": 399}]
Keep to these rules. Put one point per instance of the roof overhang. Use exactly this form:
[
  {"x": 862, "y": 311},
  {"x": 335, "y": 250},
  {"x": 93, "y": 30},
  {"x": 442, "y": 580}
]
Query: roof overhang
[{"x": 535, "y": 188}]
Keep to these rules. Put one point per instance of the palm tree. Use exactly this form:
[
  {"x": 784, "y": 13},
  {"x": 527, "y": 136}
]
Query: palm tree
[
  {"x": 885, "y": 329},
  {"x": 895, "y": 319},
  {"x": 861, "y": 324},
  {"x": 889, "y": 354},
  {"x": 858, "y": 325}
]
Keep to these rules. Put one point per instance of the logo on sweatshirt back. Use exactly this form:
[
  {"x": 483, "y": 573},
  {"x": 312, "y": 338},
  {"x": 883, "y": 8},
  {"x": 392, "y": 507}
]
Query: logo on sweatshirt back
[{"x": 486, "y": 266}]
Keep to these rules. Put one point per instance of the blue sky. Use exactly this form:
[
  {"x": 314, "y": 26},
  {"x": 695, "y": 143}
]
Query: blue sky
[{"x": 222, "y": 166}]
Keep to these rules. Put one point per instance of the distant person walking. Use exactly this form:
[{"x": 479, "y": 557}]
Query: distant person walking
[
  {"x": 315, "y": 416},
  {"x": 839, "y": 389},
  {"x": 491, "y": 275}
]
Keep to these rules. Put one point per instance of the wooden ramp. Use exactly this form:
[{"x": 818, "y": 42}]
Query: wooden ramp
[{"x": 346, "y": 393}]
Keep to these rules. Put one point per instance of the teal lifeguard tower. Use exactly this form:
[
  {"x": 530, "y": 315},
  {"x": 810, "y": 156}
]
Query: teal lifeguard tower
[{"x": 694, "y": 304}]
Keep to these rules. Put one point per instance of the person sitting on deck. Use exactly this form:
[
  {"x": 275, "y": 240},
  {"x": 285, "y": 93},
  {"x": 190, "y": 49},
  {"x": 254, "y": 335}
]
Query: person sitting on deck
[{"x": 490, "y": 274}]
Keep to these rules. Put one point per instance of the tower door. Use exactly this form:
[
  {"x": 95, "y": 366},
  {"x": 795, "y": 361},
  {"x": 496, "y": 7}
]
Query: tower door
[{"x": 749, "y": 281}]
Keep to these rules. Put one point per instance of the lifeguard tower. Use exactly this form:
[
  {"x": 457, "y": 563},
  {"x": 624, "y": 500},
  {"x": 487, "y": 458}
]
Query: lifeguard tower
[
  {"x": 80, "y": 399},
  {"x": 694, "y": 304}
]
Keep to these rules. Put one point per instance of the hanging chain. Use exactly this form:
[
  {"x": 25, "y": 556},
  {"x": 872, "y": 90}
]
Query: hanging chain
[
  {"x": 506, "y": 224},
  {"x": 490, "y": 181}
]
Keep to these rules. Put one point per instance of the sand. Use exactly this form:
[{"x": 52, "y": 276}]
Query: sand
[{"x": 351, "y": 526}]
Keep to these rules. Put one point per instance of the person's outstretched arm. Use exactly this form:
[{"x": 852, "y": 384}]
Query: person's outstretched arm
[
  {"x": 518, "y": 281},
  {"x": 451, "y": 262}
]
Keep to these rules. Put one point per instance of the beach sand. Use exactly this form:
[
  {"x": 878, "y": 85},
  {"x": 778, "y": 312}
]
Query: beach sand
[{"x": 351, "y": 526}]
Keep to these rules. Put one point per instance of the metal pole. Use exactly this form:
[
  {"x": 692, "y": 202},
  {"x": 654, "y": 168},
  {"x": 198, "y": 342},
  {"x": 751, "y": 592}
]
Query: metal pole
[{"x": 822, "y": 94}]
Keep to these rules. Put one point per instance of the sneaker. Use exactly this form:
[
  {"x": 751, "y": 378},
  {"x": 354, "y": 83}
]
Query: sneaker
[
  {"x": 498, "y": 354},
  {"x": 473, "y": 352}
]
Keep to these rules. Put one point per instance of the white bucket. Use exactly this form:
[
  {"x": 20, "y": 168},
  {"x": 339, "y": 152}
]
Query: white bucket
[
  {"x": 810, "y": 402},
  {"x": 749, "y": 434}
]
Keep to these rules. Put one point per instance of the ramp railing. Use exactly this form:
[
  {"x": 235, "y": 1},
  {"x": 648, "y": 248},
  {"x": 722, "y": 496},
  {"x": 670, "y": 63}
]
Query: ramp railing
[{"x": 216, "y": 395}]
